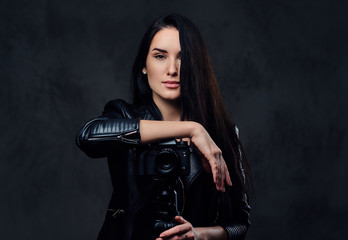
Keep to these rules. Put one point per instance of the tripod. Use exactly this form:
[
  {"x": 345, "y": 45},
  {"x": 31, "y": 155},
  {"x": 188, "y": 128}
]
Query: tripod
[{"x": 165, "y": 204}]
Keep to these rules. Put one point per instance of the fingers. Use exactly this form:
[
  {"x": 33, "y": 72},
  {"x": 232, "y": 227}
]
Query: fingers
[
  {"x": 183, "y": 231},
  {"x": 185, "y": 236},
  {"x": 220, "y": 172},
  {"x": 225, "y": 175},
  {"x": 180, "y": 219},
  {"x": 177, "y": 230},
  {"x": 212, "y": 155},
  {"x": 228, "y": 177}
]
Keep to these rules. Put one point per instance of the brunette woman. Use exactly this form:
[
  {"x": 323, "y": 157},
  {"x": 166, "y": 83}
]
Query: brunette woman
[{"x": 175, "y": 96}]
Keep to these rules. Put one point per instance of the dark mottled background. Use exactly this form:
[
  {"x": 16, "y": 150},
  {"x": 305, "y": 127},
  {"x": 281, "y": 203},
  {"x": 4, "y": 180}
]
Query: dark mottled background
[{"x": 282, "y": 67}]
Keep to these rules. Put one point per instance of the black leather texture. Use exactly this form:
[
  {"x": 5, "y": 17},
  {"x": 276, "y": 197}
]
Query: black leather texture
[{"x": 115, "y": 135}]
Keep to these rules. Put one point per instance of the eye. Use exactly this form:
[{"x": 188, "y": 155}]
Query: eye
[{"x": 159, "y": 56}]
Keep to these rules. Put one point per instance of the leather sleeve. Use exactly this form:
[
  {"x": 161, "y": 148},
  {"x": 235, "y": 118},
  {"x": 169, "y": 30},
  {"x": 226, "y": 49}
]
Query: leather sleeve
[
  {"x": 117, "y": 127},
  {"x": 236, "y": 222},
  {"x": 236, "y": 231},
  {"x": 237, "y": 226}
]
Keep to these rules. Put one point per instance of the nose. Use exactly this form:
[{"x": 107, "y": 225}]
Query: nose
[{"x": 173, "y": 67}]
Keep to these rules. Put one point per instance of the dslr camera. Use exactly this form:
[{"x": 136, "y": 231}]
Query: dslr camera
[
  {"x": 166, "y": 158},
  {"x": 162, "y": 163}
]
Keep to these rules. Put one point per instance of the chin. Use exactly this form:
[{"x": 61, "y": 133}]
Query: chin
[
  {"x": 172, "y": 98},
  {"x": 169, "y": 96}
]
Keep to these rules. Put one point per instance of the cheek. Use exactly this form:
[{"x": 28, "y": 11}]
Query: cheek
[
  {"x": 152, "y": 76},
  {"x": 155, "y": 68}
]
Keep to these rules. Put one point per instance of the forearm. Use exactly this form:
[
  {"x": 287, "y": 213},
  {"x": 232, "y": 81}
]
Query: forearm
[
  {"x": 101, "y": 136},
  {"x": 151, "y": 131},
  {"x": 211, "y": 233}
]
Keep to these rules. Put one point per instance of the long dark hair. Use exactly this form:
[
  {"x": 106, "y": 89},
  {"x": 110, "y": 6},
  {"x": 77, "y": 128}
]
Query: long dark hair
[{"x": 200, "y": 97}]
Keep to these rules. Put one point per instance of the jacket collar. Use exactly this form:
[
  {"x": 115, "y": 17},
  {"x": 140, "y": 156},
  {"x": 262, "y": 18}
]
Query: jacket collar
[{"x": 154, "y": 111}]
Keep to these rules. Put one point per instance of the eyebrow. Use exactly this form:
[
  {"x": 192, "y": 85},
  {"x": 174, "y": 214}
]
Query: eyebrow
[{"x": 162, "y": 50}]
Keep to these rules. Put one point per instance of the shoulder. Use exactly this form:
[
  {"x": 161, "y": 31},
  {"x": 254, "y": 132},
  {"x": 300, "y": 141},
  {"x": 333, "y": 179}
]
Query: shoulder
[{"x": 121, "y": 109}]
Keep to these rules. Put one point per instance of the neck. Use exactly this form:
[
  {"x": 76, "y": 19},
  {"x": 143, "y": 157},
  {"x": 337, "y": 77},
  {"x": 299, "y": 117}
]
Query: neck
[{"x": 170, "y": 110}]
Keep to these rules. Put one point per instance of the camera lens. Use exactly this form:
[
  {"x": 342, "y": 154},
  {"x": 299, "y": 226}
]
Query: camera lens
[{"x": 166, "y": 161}]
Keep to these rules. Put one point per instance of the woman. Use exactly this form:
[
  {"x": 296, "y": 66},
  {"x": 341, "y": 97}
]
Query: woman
[{"x": 175, "y": 96}]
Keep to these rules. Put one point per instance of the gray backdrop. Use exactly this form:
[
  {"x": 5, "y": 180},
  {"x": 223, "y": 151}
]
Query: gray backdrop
[{"x": 282, "y": 68}]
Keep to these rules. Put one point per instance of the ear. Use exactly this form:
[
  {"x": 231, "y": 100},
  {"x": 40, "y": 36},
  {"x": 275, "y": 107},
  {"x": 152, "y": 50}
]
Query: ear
[{"x": 144, "y": 70}]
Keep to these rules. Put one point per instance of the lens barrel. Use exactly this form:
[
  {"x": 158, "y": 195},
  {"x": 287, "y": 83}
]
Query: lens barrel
[{"x": 166, "y": 161}]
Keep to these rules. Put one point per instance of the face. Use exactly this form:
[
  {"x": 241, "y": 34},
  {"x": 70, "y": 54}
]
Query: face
[{"x": 163, "y": 65}]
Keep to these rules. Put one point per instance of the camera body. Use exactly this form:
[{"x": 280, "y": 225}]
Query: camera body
[
  {"x": 158, "y": 168},
  {"x": 166, "y": 158}
]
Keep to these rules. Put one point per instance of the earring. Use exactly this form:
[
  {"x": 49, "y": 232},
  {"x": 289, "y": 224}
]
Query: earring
[{"x": 144, "y": 72}]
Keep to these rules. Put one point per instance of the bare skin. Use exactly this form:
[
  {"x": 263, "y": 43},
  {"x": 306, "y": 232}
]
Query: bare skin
[
  {"x": 212, "y": 160},
  {"x": 186, "y": 231},
  {"x": 163, "y": 72}
]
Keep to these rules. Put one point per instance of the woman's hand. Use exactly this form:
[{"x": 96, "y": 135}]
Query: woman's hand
[
  {"x": 213, "y": 161},
  {"x": 186, "y": 231},
  {"x": 212, "y": 157},
  {"x": 183, "y": 231}
]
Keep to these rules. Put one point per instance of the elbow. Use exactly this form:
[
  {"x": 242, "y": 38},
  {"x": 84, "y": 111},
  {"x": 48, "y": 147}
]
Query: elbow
[
  {"x": 101, "y": 137},
  {"x": 88, "y": 148},
  {"x": 85, "y": 145}
]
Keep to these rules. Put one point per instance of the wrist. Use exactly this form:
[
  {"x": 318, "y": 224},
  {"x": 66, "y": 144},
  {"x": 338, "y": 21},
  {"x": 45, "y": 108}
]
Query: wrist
[
  {"x": 210, "y": 233},
  {"x": 200, "y": 233},
  {"x": 195, "y": 128}
]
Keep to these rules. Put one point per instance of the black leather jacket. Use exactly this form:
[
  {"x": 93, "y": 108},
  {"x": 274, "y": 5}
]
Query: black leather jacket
[{"x": 115, "y": 135}]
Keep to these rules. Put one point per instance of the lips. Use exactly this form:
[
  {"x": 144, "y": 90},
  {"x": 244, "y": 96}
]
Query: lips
[{"x": 171, "y": 84}]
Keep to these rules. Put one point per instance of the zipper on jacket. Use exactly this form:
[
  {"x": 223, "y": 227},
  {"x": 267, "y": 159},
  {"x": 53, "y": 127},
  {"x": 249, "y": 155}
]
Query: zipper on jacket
[
  {"x": 121, "y": 137},
  {"x": 116, "y": 212}
]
